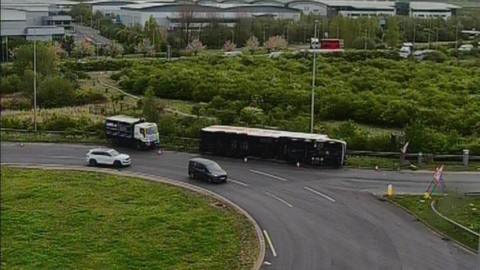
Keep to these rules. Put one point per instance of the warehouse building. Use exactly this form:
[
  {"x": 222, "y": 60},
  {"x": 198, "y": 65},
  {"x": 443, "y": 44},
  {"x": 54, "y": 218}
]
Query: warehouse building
[
  {"x": 47, "y": 18},
  {"x": 174, "y": 15},
  {"x": 168, "y": 12},
  {"x": 33, "y": 21}
]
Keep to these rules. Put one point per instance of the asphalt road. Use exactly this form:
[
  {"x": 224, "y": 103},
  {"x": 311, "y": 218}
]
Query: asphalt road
[{"x": 316, "y": 218}]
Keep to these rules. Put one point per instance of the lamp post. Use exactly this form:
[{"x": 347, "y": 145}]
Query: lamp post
[
  {"x": 35, "y": 84},
  {"x": 312, "y": 108}
]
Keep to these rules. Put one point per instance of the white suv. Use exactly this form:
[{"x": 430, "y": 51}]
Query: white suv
[{"x": 107, "y": 156}]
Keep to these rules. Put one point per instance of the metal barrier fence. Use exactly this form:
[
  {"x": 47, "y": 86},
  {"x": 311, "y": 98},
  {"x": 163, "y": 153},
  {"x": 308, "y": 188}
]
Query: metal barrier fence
[{"x": 464, "y": 158}]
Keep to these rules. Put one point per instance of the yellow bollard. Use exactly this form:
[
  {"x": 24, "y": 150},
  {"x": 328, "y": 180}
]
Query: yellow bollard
[{"x": 390, "y": 190}]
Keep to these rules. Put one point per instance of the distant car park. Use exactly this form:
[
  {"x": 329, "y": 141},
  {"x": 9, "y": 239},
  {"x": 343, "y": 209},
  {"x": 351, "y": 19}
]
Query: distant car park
[{"x": 107, "y": 156}]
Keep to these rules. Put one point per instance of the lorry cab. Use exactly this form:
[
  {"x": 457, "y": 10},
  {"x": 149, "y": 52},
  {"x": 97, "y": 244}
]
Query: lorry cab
[
  {"x": 147, "y": 133},
  {"x": 126, "y": 130},
  {"x": 314, "y": 43}
]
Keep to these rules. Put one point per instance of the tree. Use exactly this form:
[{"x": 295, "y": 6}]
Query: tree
[
  {"x": 145, "y": 47},
  {"x": 363, "y": 43},
  {"x": 252, "y": 115},
  {"x": 83, "y": 49},
  {"x": 59, "y": 51},
  {"x": 195, "y": 46},
  {"x": 252, "y": 44},
  {"x": 68, "y": 43},
  {"x": 392, "y": 34},
  {"x": 150, "y": 106},
  {"x": 55, "y": 92},
  {"x": 154, "y": 33},
  {"x": 229, "y": 46},
  {"x": 276, "y": 43},
  {"x": 26, "y": 83},
  {"x": 186, "y": 14},
  {"x": 46, "y": 59},
  {"x": 10, "y": 84},
  {"x": 115, "y": 49},
  {"x": 81, "y": 13}
]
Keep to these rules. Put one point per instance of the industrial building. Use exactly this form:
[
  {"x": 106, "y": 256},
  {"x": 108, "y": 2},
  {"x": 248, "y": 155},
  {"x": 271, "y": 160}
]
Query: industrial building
[
  {"x": 46, "y": 19},
  {"x": 33, "y": 20},
  {"x": 170, "y": 13}
]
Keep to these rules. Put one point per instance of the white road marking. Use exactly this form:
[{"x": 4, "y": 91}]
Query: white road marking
[
  {"x": 320, "y": 194},
  {"x": 238, "y": 182},
  {"x": 279, "y": 199},
  {"x": 66, "y": 157},
  {"x": 269, "y": 175},
  {"x": 270, "y": 243}
]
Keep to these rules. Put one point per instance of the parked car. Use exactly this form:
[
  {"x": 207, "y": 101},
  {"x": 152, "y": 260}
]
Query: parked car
[
  {"x": 207, "y": 170},
  {"x": 466, "y": 48},
  {"x": 107, "y": 156}
]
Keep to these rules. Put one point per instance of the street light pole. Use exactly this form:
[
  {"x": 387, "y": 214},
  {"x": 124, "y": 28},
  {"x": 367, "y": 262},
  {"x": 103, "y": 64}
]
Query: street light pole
[
  {"x": 35, "y": 84},
  {"x": 312, "y": 108}
]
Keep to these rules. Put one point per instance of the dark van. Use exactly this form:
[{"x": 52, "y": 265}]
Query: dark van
[{"x": 207, "y": 170}]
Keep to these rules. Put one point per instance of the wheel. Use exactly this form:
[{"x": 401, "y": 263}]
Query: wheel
[
  {"x": 191, "y": 175},
  {"x": 138, "y": 146},
  {"x": 92, "y": 162},
  {"x": 117, "y": 164}
]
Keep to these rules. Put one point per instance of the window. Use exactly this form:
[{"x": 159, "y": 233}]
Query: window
[{"x": 112, "y": 153}]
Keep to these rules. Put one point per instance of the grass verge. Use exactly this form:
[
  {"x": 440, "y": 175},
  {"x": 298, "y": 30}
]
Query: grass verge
[
  {"x": 84, "y": 220},
  {"x": 51, "y": 138},
  {"x": 464, "y": 210},
  {"x": 392, "y": 164}
]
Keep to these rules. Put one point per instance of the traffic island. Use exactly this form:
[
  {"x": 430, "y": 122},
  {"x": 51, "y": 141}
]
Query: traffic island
[
  {"x": 68, "y": 219},
  {"x": 438, "y": 213}
]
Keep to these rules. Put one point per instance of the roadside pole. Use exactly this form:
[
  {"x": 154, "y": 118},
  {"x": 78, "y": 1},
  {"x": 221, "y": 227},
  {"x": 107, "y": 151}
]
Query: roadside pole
[
  {"x": 313, "y": 81},
  {"x": 35, "y": 84}
]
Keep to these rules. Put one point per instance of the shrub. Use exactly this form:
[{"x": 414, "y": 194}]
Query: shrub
[
  {"x": 15, "y": 103},
  {"x": 15, "y": 122},
  {"x": 55, "y": 92},
  {"x": 97, "y": 65},
  {"x": 89, "y": 96},
  {"x": 10, "y": 84}
]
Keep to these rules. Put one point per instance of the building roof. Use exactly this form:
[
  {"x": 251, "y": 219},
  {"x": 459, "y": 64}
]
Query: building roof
[
  {"x": 58, "y": 18},
  {"x": 123, "y": 118},
  {"x": 38, "y": 2},
  {"x": 432, "y": 6},
  {"x": 269, "y": 133},
  {"x": 110, "y": 2},
  {"x": 360, "y": 4},
  {"x": 147, "y": 5},
  {"x": 267, "y": 3}
]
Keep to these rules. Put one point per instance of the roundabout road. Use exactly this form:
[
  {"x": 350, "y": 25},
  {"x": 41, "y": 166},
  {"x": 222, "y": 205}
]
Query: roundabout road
[{"x": 316, "y": 219}]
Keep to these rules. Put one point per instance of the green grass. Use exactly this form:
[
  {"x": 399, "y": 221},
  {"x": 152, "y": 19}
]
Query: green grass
[
  {"x": 178, "y": 105},
  {"x": 50, "y": 138},
  {"x": 80, "y": 220},
  {"x": 464, "y": 210},
  {"x": 363, "y": 162}
]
